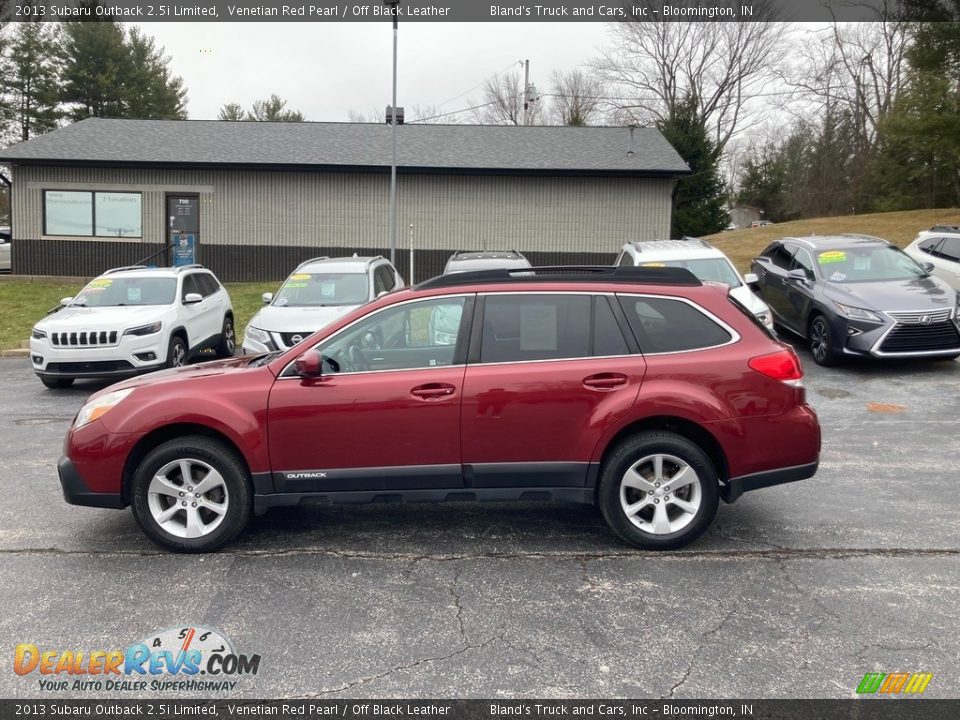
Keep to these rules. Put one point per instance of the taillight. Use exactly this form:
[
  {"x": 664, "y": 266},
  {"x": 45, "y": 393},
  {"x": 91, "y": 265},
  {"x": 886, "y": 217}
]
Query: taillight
[{"x": 783, "y": 365}]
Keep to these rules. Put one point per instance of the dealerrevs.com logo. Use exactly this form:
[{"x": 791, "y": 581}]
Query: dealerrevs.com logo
[{"x": 187, "y": 659}]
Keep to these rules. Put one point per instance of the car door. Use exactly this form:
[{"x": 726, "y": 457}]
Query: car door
[
  {"x": 385, "y": 416},
  {"x": 771, "y": 270},
  {"x": 798, "y": 295},
  {"x": 197, "y": 316},
  {"x": 945, "y": 257},
  {"x": 547, "y": 374},
  {"x": 215, "y": 302}
]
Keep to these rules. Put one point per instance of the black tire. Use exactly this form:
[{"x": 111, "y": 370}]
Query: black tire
[
  {"x": 238, "y": 494},
  {"x": 228, "y": 339},
  {"x": 632, "y": 451},
  {"x": 56, "y": 383},
  {"x": 177, "y": 355},
  {"x": 820, "y": 342}
]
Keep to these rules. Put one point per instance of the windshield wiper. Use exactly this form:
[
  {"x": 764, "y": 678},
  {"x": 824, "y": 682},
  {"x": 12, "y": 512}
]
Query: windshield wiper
[{"x": 261, "y": 360}]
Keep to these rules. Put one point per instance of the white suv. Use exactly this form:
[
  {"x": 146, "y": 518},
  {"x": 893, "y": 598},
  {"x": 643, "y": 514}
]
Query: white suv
[
  {"x": 939, "y": 247},
  {"x": 703, "y": 260},
  {"x": 133, "y": 320},
  {"x": 318, "y": 292}
]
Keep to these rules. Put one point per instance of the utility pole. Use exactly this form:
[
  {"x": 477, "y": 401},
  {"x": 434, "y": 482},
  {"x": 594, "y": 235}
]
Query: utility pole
[
  {"x": 393, "y": 139},
  {"x": 526, "y": 91}
]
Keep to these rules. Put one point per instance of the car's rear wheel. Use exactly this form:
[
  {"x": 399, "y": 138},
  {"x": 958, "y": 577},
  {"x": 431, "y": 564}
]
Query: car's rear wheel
[
  {"x": 56, "y": 383},
  {"x": 176, "y": 352},
  {"x": 821, "y": 342},
  {"x": 228, "y": 339},
  {"x": 658, "y": 491},
  {"x": 191, "y": 494}
]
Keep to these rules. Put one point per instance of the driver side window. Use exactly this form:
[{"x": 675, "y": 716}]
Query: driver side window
[{"x": 404, "y": 337}]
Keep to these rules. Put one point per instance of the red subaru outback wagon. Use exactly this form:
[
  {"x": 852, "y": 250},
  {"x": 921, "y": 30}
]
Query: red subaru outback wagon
[{"x": 639, "y": 389}]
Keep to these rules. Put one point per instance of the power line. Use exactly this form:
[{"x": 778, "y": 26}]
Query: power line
[
  {"x": 479, "y": 84},
  {"x": 455, "y": 112}
]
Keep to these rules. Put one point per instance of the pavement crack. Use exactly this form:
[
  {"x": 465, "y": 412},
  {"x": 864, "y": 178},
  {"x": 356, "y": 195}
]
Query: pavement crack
[
  {"x": 782, "y": 564},
  {"x": 695, "y": 655},
  {"x": 457, "y": 603}
]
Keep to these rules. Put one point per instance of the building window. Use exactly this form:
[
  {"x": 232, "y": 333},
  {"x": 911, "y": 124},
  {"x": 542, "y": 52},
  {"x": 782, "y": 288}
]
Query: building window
[{"x": 92, "y": 214}]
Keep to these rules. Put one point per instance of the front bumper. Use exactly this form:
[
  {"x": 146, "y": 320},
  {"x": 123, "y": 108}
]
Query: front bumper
[
  {"x": 255, "y": 347},
  {"x": 131, "y": 356},
  {"x": 76, "y": 492},
  {"x": 897, "y": 339}
]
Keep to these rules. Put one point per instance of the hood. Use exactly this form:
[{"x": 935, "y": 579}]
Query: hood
[
  {"x": 306, "y": 320},
  {"x": 206, "y": 369},
  {"x": 927, "y": 293},
  {"x": 749, "y": 300},
  {"x": 77, "y": 317}
]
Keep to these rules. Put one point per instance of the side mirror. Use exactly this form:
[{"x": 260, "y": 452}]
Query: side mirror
[
  {"x": 927, "y": 266},
  {"x": 798, "y": 274},
  {"x": 66, "y": 301},
  {"x": 751, "y": 279},
  {"x": 192, "y": 298},
  {"x": 309, "y": 364},
  {"x": 267, "y": 298}
]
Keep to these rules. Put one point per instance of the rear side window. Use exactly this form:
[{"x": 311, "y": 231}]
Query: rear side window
[
  {"x": 520, "y": 328},
  {"x": 607, "y": 336},
  {"x": 666, "y": 325},
  {"x": 383, "y": 279},
  {"x": 780, "y": 255},
  {"x": 950, "y": 250}
]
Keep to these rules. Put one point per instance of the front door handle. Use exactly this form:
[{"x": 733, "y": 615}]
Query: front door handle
[
  {"x": 605, "y": 381},
  {"x": 433, "y": 391}
]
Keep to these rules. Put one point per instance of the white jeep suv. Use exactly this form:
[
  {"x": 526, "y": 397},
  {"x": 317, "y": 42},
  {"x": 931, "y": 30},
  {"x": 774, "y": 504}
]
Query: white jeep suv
[
  {"x": 317, "y": 293},
  {"x": 703, "y": 260},
  {"x": 133, "y": 320}
]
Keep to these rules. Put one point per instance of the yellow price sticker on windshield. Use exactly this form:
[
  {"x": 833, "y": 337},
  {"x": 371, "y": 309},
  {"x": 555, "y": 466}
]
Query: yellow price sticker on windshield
[
  {"x": 100, "y": 283},
  {"x": 300, "y": 276},
  {"x": 654, "y": 265},
  {"x": 831, "y": 256}
]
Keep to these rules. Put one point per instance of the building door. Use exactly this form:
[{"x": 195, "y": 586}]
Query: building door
[{"x": 183, "y": 228}]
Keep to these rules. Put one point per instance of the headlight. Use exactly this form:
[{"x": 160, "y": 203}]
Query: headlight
[
  {"x": 257, "y": 334},
  {"x": 855, "y": 313},
  {"x": 99, "y": 407},
  {"x": 144, "y": 329},
  {"x": 38, "y": 334}
]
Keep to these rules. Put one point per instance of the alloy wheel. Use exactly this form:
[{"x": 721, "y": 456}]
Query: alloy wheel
[
  {"x": 819, "y": 341},
  {"x": 188, "y": 498},
  {"x": 660, "y": 494}
]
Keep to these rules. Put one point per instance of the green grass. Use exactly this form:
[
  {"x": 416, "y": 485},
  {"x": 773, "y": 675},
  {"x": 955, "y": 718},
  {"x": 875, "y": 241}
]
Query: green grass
[
  {"x": 24, "y": 303},
  {"x": 900, "y": 228}
]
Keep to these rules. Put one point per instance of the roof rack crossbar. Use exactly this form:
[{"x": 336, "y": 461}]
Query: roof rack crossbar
[
  {"x": 566, "y": 273},
  {"x": 191, "y": 266}
]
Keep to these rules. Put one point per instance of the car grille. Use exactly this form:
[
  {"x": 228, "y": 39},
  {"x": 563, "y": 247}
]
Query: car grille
[
  {"x": 288, "y": 340},
  {"x": 921, "y": 338},
  {"x": 916, "y": 318},
  {"x": 93, "y": 338},
  {"x": 85, "y": 367}
]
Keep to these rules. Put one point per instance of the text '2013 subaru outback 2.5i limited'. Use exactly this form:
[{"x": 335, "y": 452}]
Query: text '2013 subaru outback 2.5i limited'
[{"x": 638, "y": 389}]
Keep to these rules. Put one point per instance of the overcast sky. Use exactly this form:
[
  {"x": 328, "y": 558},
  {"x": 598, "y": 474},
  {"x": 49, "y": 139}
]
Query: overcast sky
[{"x": 326, "y": 69}]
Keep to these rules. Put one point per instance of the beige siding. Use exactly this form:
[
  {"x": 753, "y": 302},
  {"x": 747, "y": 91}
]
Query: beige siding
[{"x": 548, "y": 214}]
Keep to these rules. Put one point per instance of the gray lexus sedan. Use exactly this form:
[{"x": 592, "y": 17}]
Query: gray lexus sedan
[{"x": 858, "y": 295}]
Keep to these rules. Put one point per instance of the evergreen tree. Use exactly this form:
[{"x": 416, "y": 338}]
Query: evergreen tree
[
  {"x": 150, "y": 90},
  {"x": 29, "y": 80},
  {"x": 272, "y": 110},
  {"x": 699, "y": 197},
  {"x": 231, "y": 111}
]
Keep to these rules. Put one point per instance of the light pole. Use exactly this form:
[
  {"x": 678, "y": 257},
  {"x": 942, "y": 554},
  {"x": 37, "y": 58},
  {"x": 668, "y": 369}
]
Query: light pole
[{"x": 393, "y": 139}]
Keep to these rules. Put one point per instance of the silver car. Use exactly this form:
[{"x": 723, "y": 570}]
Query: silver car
[{"x": 4, "y": 248}]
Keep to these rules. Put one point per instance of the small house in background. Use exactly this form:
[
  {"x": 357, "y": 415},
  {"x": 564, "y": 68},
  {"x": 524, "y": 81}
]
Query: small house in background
[
  {"x": 251, "y": 200},
  {"x": 743, "y": 215}
]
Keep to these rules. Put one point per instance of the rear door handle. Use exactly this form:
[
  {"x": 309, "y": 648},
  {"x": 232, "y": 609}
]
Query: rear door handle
[
  {"x": 605, "y": 381},
  {"x": 433, "y": 391}
]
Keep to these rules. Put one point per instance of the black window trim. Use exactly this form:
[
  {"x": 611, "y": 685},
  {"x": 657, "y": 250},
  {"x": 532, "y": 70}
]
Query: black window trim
[
  {"x": 734, "y": 335},
  {"x": 93, "y": 212}
]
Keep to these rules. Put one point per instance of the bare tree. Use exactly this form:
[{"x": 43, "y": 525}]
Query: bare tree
[
  {"x": 231, "y": 111},
  {"x": 501, "y": 102},
  {"x": 374, "y": 116},
  {"x": 657, "y": 64},
  {"x": 575, "y": 97}
]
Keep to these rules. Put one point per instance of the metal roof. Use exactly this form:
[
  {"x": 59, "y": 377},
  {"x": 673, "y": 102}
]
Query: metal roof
[{"x": 479, "y": 148}]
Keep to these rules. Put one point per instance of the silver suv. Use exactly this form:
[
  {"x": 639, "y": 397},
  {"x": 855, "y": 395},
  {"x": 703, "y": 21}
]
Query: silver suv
[
  {"x": 317, "y": 293},
  {"x": 485, "y": 260}
]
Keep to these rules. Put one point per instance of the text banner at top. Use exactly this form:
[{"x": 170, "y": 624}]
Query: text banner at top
[{"x": 455, "y": 11}]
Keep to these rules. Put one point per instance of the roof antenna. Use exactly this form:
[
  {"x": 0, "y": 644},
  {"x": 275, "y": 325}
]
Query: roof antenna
[{"x": 630, "y": 148}]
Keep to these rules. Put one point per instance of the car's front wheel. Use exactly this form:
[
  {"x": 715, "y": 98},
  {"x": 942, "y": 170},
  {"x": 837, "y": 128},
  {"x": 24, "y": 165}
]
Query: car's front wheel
[
  {"x": 176, "y": 352},
  {"x": 191, "y": 494},
  {"x": 228, "y": 339},
  {"x": 821, "y": 342},
  {"x": 658, "y": 491}
]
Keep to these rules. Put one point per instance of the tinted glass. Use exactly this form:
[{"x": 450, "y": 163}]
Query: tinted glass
[
  {"x": 666, "y": 325},
  {"x": 323, "y": 290},
  {"x": 951, "y": 249},
  {"x": 706, "y": 269},
  {"x": 867, "y": 263},
  {"x": 931, "y": 245},
  {"x": 208, "y": 286},
  {"x": 190, "y": 285},
  {"x": 535, "y": 327},
  {"x": 802, "y": 261},
  {"x": 607, "y": 337},
  {"x": 780, "y": 255},
  {"x": 113, "y": 292}
]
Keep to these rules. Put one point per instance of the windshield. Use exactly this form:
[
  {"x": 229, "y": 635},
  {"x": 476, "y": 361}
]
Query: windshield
[
  {"x": 323, "y": 290},
  {"x": 113, "y": 292},
  {"x": 868, "y": 264},
  {"x": 706, "y": 269}
]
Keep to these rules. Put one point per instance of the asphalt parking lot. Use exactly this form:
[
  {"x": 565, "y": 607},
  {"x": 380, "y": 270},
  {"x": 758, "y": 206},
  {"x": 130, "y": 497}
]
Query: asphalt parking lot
[{"x": 796, "y": 591}]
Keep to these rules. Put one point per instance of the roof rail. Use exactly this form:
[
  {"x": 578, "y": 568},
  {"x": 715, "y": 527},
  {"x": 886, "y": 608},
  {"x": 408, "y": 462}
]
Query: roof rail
[
  {"x": 372, "y": 260},
  {"x": 567, "y": 273},
  {"x": 946, "y": 228},
  {"x": 191, "y": 266},
  {"x": 124, "y": 268},
  {"x": 316, "y": 259},
  {"x": 865, "y": 237}
]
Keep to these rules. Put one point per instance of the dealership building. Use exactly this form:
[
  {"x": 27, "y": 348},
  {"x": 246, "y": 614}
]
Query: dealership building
[{"x": 250, "y": 200}]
